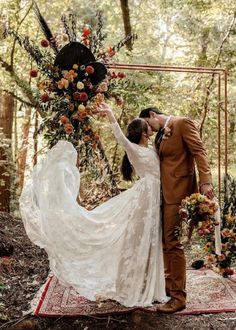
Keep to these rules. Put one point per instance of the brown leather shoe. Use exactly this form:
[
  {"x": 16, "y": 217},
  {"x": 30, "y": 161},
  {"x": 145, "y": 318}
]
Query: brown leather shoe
[{"x": 171, "y": 306}]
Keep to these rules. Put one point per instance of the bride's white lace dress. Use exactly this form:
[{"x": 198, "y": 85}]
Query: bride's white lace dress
[{"x": 113, "y": 251}]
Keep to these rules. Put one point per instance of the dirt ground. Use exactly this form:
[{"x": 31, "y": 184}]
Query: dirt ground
[{"x": 23, "y": 273}]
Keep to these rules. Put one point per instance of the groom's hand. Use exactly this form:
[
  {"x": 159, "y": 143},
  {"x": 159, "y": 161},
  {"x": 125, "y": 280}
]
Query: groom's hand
[{"x": 207, "y": 190}]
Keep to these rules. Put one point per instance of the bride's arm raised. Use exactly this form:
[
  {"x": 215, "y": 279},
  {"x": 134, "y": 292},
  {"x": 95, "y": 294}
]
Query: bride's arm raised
[{"x": 119, "y": 135}]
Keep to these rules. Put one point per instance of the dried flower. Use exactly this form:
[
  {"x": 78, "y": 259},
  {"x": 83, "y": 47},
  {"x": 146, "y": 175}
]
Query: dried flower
[
  {"x": 81, "y": 108},
  {"x": 33, "y": 73},
  {"x": 44, "y": 97},
  {"x": 82, "y": 114},
  {"x": 76, "y": 96},
  {"x": 121, "y": 75},
  {"x": 210, "y": 259},
  {"x": 70, "y": 75},
  {"x": 64, "y": 120},
  {"x": 44, "y": 43},
  {"x": 63, "y": 83},
  {"x": 229, "y": 271},
  {"x": 71, "y": 107},
  {"x": 102, "y": 88},
  {"x": 68, "y": 128},
  {"x": 86, "y": 32},
  {"x": 75, "y": 66},
  {"x": 230, "y": 219},
  {"x": 119, "y": 100},
  {"x": 89, "y": 69},
  {"x": 86, "y": 138},
  {"x": 83, "y": 96},
  {"x": 44, "y": 84},
  {"x": 183, "y": 213},
  {"x": 80, "y": 85},
  {"x": 221, "y": 257},
  {"x": 110, "y": 51},
  {"x": 226, "y": 232}
]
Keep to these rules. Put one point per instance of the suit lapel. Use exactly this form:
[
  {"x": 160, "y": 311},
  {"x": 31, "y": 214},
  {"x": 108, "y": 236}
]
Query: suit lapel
[{"x": 165, "y": 141}]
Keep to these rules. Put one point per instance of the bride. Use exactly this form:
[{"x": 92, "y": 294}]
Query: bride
[{"x": 115, "y": 250}]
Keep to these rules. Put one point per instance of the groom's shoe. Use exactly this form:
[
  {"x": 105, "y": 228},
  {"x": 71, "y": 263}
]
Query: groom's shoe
[{"x": 171, "y": 306}]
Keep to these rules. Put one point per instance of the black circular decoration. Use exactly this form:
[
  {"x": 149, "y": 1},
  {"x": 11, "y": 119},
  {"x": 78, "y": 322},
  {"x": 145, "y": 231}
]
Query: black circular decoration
[{"x": 77, "y": 53}]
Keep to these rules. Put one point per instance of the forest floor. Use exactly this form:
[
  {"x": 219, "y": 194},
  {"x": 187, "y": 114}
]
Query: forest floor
[{"x": 23, "y": 273}]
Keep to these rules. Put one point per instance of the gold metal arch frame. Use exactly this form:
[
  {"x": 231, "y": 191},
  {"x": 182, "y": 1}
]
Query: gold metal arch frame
[{"x": 221, "y": 104}]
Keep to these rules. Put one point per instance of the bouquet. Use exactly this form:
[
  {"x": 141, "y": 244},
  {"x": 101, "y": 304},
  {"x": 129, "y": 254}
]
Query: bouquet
[{"x": 198, "y": 211}]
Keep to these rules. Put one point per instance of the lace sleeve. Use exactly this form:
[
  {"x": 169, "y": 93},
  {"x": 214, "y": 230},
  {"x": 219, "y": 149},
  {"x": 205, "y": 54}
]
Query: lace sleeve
[{"x": 121, "y": 138}]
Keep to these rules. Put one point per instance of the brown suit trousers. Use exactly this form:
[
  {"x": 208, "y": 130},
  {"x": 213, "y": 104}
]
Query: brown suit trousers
[{"x": 178, "y": 155}]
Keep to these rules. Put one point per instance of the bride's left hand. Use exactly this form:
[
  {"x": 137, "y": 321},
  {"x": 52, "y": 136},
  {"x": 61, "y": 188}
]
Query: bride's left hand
[{"x": 104, "y": 108}]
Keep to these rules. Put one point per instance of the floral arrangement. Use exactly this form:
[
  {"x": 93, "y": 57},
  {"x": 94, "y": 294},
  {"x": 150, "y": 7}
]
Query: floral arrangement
[
  {"x": 223, "y": 264},
  {"x": 198, "y": 210},
  {"x": 72, "y": 79}
]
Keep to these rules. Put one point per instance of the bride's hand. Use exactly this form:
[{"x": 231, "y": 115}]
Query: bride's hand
[{"x": 104, "y": 108}]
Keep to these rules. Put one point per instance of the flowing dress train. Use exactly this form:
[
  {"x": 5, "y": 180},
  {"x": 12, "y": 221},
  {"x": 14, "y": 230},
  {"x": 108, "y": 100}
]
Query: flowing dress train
[{"x": 113, "y": 251}]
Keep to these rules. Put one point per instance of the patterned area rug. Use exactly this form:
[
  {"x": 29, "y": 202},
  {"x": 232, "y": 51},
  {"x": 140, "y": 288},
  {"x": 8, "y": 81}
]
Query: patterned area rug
[{"x": 207, "y": 293}]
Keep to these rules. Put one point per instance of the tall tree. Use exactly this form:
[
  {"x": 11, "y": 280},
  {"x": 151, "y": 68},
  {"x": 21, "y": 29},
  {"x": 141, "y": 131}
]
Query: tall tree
[
  {"x": 6, "y": 124},
  {"x": 126, "y": 21}
]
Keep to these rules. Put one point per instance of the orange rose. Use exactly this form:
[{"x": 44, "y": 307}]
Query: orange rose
[
  {"x": 64, "y": 120},
  {"x": 63, "y": 83},
  {"x": 68, "y": 128},
  {"x": 85, "y": 138}
]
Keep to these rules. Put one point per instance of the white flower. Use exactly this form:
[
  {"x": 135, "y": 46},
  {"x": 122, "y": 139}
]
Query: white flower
[
  {"x": 80, "y": 85},
  {"x": 81, "y": 107}
]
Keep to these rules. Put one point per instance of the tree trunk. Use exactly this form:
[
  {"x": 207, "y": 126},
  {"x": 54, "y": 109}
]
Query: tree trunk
[
  {"x": 126, "y": 20},
  {"x": 22, "y": 154},
  {"x": 6, "y": 124}
]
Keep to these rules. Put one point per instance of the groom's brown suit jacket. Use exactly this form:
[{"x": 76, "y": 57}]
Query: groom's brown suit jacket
[{"x": 178, "y": 155}]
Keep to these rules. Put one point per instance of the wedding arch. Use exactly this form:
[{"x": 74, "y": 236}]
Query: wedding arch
[{"x": 222, "y": 100}]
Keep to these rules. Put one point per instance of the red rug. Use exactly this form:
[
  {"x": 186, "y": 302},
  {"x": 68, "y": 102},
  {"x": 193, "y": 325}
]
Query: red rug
[{"x": 207, "y": 293}]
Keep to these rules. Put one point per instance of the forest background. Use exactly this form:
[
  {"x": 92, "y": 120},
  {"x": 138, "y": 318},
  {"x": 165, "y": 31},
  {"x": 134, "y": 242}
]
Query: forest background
[{"x": 178, "y": 32}]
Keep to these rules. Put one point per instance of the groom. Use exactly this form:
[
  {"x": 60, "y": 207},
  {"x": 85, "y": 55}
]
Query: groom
[{"x": 179, "y": 147}]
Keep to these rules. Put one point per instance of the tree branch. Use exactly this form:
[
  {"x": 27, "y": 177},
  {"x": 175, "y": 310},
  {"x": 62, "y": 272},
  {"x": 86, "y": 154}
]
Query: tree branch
[
  {"x": 5, "y": 65},
  {"x": 208, "y": 91},
  {"x": 18, "y": 81},
  {"x": 17, "y": 97},
  {"x": 14, "y": 42}
]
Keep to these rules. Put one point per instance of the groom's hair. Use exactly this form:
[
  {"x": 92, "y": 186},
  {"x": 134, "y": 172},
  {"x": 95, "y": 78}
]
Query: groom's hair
[{"x": 145, "y": 113}]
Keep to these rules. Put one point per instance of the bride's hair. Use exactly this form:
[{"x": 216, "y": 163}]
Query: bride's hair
[{"x": 134, "y": 134}]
